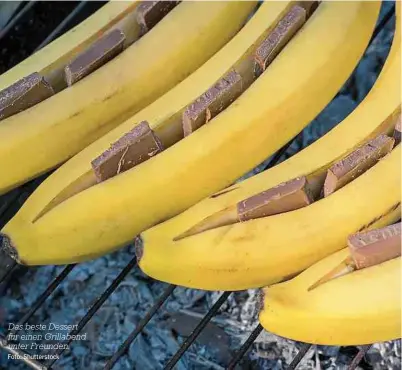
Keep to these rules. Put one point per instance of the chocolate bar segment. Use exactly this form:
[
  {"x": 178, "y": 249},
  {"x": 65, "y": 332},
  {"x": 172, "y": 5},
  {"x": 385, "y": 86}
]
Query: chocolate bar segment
[
  {"x": 397, "y": 131},
  {"x": 135, "y": 147},
  {"x": 95, "y": 56},
  {"x": 356, "y": 163},
  {"x": 287, "y": 196},
  {"x": 151, "y": 12},
  {"x": 23, "y": 94},
  {"x": 212, "y": 102},
  {"x": 373, "y": 247},
  {"x": 279, "y": 37}
]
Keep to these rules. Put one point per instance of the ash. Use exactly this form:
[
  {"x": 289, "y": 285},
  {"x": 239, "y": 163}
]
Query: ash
[{"x": 163, "y": 336}]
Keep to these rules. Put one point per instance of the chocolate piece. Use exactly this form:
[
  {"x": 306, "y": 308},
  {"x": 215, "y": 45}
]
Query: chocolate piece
[
  {"x": 287, "y": 196},
  {"x": 151, "y": 12},
  {"x": 397, "y": 131},
  {"x": 279, "y": 37},
  {"x": 373, "y": 247},
  {"x": 356, "y": 163},
  {"x": 212, "y": 102},
  {"x": 23, "y": 94},
  {"x": 95, "y": 56},
  {"x": 135, "y": 147}
]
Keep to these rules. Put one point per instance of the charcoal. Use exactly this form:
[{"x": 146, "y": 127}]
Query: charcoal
[
  {"x": 213, "y": 338},
  {"x": 141, "y": 355},
  {"x": 328, "y": 351}
]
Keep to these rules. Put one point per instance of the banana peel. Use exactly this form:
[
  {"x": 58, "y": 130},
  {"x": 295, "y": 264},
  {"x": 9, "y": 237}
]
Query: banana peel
[
  {"x": 52, "y": 131},
  {"x": 267, "y": 250},
  {"x": 50, "y": 60},
  {"x": 362, "y": 307}
]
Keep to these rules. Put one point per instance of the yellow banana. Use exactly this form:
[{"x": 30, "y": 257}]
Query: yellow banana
[
  {"x": 54, "y": 130},
  {"x": 50, "y": 60},
  {"x": 101, "y": 218},
  {"x": 375, "y": 114},
  {"x": 362, "y": 307},
  {"x": 264, "y": 251},
  {"x": 164, "y": 115}
]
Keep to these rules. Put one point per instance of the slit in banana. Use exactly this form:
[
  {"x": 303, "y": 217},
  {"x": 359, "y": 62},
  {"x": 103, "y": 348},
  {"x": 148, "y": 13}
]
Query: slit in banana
[
  {"x": 279, "y": 37},
  {"x": 213, "y": 101},
  {"x": 344, "y": 171},
  {"x": 151, "y": 12},
  {"x": 98, "y": 54},
  {"x": 367, "y": 248},
  {"x": 147, "y": 14},
  {"x": 285, "y": 197},
  {"x": 36, "y": 87}
]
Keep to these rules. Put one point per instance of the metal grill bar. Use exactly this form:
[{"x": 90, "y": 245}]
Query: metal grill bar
[
  {"x": 244, "y": 348},
  {"x": 96, "y": 306},
  {"x": 125, "y": 346},
  {"x": 9, "y": 271},
  {"x": 16, "y": 18},
  {"x": 356, "y": 361},
  {"x": 197, "y": 331},
  {"x": 59, "y": 29},
  {"x": 300, "y": 355},
  {"x": 11, "y": 198},
  {"x": 50, "y": 289}
]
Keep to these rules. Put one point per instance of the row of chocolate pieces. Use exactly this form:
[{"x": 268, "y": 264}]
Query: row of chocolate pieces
[
  {"x": 34, "y": 88},
  {"x": 304, "y": 190}
]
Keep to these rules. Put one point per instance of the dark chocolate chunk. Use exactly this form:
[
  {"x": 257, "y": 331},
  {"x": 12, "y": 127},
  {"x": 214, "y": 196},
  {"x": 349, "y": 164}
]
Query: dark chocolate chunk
[
  {"x": 212, "y": 102},
  {"x": 279, "y": 37},
  {"x": 356, "y": 163},
  {"x": 287, "y": 196},
  {"x": 373, "y": 247},
  {"x": 151, "y": 12},
  {"x": 135, "y": 147},
  {"x": 95, "y": 56},
  {"x": 24, "y": 94}
]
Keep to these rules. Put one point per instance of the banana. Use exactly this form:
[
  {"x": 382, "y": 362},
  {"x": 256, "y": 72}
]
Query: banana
[
  {"x": 362, "y": 307},
  {"x": 50, "y": 60},
  {"x": 375, "y": 114},
  {"x": 105, "y": 216},
  {"x": 165, "y": 114},
  {"x": 267, "y": 250},
  {"x": 55, "y": 129}
]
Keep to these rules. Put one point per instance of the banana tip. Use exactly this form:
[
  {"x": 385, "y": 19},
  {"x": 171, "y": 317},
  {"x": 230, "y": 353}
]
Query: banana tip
[{"x": 7, "y": 248}]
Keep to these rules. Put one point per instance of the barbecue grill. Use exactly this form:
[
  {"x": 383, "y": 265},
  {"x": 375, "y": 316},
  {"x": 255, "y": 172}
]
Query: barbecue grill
[{"x": 10, "y": 203}]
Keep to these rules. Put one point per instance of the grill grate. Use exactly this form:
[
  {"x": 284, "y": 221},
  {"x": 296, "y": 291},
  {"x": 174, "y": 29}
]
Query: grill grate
[{"x": 19, "y": 195}]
